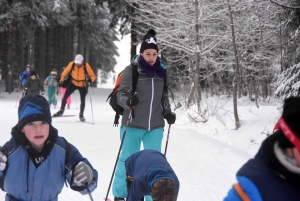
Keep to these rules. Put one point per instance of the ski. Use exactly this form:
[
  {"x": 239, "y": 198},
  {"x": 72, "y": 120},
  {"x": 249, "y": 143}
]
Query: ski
[
  {"x": 67, "y": 115},
  {"x": 86, "y": 122}
]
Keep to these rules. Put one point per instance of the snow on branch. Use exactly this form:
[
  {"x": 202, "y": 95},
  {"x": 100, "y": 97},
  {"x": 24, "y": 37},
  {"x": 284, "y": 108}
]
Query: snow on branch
[{"x": 284, "y": 6}]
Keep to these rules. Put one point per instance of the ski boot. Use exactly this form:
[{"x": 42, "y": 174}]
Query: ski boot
[
  {"x": 81, "y": 117},
  {"x": 119, "y": 199},
  {"x": 59, "y": 113}
]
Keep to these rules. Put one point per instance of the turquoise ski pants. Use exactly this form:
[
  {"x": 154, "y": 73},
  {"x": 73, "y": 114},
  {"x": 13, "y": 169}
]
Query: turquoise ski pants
[
  {"x": 52, "y": 95},
  {"x": 132, "y": 143}
]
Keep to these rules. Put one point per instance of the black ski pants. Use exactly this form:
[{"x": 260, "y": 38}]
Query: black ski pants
[{"x": 70, "y": 89}]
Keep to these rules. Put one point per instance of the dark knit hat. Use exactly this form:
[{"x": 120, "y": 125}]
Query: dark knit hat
[
  {"x": 33, "y": 108},
  {"x": 290, "y": 123},
  {"x": 32, "y": 73},
  {"x": 149, "y": 41}
]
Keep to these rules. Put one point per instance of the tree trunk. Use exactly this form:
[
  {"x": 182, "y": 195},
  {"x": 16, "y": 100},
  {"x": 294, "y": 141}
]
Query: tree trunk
[
  {"x": 250, "y": 87},
  {"x": 209, "y": 79},
  {"x": 30, "y": 47},
  {"x": 134, "y": 41},
  {"x": 197, "y": 70},
  {"x": 222, "y": 88},
  {"x": 191, "y": 98},
  {"x": 39, "y": 53},
  {"x": 9, "y": 81},
  {"x": 255, "y": 84},
  {"x": 236, "y": 76},
  {"x": 281, "y": 49}
]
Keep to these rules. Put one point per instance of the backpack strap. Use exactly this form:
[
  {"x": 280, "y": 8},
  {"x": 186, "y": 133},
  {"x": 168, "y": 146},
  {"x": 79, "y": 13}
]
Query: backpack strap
[
  {"x": 4, "y": 151},
  {"x": 67, "y": 154},
  {"x": 85, "y": 71},
  {"x": 135, "y": 76},
  {"x": 242, "y": 194},
  {"x": 70, "y": 72}
]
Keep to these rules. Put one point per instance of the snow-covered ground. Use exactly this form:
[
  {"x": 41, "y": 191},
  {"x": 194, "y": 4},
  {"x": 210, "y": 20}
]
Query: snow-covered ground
[
  {"x": 205, "y": 156},
  {"x": 205, "y": 166}
]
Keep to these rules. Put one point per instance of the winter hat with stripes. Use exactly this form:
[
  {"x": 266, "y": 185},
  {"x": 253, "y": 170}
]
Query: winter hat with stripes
[{"x": 33, "y": 108}]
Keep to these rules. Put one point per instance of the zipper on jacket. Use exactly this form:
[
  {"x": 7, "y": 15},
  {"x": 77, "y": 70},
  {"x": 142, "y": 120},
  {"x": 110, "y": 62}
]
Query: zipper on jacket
[{"x": 149, "y": 121}]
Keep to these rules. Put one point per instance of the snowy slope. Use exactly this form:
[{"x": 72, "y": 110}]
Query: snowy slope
[{"x": 205, "y": 166}]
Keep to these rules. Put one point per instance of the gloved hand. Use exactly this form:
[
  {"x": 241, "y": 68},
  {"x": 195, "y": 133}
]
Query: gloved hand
[
  {"x": 24, "y": 91},
  {"x": 171, "y": 118},
  {"x": 132, "y": 101},
  {"x": 60, "y": 84},
  {"x": 83, "y": 174},
  {"x": 3, "y": 160},
  {"x": 89, "y": 81},
  {"x": 46, "y": 84}
]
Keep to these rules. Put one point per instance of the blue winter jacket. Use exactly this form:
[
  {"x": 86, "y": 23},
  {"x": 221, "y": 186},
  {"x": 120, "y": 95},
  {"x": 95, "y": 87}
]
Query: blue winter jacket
[
  {"x": 146, "y": 167},
  {"x": 23, "y": 77},
  {"x": 261, "y": 182},
  {"x": 24, "y": 182}
]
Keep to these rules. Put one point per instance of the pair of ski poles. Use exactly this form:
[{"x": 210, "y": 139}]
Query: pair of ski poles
[{"x": 120, "y": 148}]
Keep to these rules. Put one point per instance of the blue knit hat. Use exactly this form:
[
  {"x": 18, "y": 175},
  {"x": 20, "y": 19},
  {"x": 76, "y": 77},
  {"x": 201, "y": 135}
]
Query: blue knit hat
[{"x": 33, "y": 108}]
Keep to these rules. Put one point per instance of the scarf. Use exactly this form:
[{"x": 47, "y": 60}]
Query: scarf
[{"x": 155, "y": 70}]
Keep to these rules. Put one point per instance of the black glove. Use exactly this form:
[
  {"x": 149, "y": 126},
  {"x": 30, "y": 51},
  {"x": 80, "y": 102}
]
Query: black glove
[
  {"x": 60, "y": 84},
  {"x": 89, "y": 80},
  {"x": 132, "y": 101},
  {"x": 171, "y": 118}
]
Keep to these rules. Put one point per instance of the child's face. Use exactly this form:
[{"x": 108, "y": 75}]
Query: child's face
[
  {"x": 28, "y": 69},
  {"x": 33, "y": 77},
  {"x": 36, "y": 132}
]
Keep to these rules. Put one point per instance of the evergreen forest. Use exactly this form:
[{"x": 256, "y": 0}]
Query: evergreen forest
[{"x": 229, "y": 48}]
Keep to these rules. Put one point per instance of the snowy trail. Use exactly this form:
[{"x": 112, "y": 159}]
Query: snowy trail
[{"x": 205, "y": 167}]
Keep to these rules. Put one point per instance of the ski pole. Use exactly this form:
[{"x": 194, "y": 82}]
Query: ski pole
[
  {"x": 18, "y": 94},
  {"x": 76, "y": 102},
  {"x": 53, "y": 97},
  {"x": 89, "y": 89},
  {"x": 128, "y": 119},
  {"x": 167, "y": 139},
  {"x": 90, "y": 195}
]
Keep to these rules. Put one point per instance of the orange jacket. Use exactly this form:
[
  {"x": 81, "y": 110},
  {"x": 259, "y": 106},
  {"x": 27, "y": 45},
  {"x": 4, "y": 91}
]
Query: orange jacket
[{"x": 78, "y": 74}]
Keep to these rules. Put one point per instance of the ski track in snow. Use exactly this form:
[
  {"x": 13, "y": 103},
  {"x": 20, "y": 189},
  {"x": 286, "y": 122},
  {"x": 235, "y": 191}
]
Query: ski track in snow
[{"x": 205, "y": 167}]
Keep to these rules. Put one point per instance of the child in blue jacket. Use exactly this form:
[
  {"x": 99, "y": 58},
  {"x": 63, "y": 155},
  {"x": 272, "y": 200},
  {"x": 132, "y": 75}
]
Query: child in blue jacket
[
  {"x": 274, "y": 173},
  {"x": 35, "y": 163},
  {"x": 149, "y": 173},
  {"x": 26, "y": 74}
]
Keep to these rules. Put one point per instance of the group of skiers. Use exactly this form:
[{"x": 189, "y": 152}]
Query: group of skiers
[
  {"x": 31, "y": 84},
  {"x": 36, "y": 161}
]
